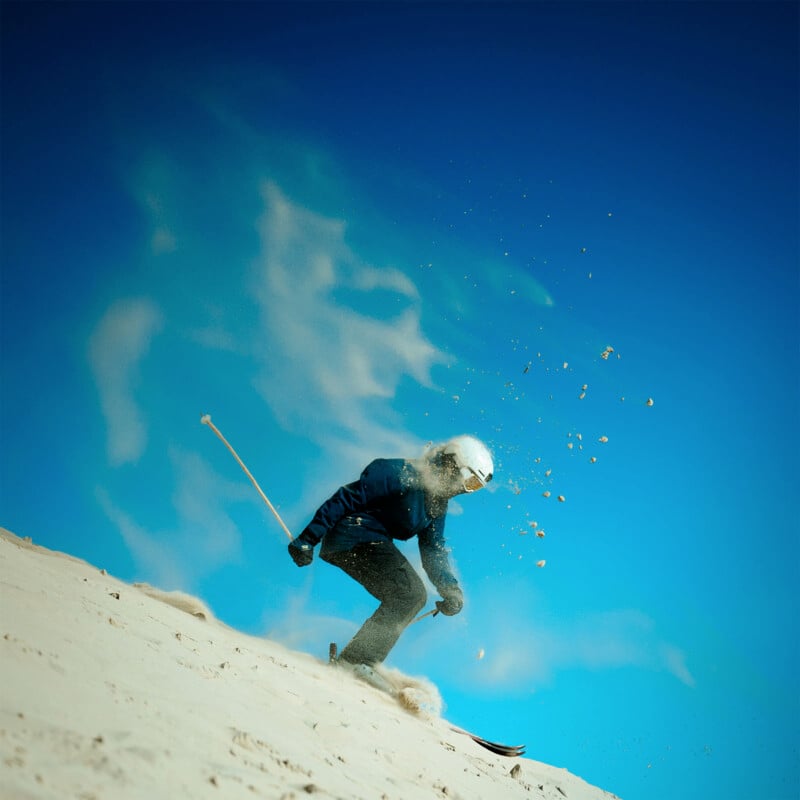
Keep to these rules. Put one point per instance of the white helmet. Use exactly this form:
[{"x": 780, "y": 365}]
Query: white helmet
[{"x": 473, "y": 460}]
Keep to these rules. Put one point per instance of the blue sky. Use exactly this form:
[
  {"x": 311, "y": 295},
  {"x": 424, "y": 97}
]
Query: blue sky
[{"x": 347, "y": 230}]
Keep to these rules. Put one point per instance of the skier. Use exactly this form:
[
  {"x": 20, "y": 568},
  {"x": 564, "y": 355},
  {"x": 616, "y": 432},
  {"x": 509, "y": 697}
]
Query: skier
[{"x": 395, "y": 499}]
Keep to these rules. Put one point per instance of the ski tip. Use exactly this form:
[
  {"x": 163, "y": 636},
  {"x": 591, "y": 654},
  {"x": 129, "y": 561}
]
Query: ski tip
[{"x": 507, "y": 750}]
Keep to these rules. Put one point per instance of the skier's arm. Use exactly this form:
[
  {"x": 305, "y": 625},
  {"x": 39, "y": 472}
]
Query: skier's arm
[
  {"x": 342, "y": 502},
  {"x": 435, "y": 558},
  {"x": 436, "y": 563}
]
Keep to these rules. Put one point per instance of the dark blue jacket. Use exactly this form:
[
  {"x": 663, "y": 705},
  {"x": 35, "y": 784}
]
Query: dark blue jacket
[{"x": 387, "y": 502}]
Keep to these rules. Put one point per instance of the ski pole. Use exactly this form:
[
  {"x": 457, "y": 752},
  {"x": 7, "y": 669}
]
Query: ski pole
[
  {"x": 433, "y": 611},
  {"x": 206, "y": 420}
]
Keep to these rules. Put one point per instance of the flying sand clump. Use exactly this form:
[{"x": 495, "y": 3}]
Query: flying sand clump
[{"x": 574, "y": 440}]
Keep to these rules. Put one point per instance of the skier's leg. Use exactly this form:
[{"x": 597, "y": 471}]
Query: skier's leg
[{"x": 386, "y": 574}]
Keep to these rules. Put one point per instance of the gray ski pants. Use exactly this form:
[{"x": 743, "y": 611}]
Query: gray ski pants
[{"x": 386, "y": 574}]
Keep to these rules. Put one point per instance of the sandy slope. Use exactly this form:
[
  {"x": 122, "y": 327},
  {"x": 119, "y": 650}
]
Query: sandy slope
[{"x": 108, "y": 692}]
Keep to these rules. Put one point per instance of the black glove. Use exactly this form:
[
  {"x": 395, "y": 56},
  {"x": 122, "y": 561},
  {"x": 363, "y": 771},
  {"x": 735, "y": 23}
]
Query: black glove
[
  {"x": 301, "y": 549},
  {"x": 453, "y": 601}
]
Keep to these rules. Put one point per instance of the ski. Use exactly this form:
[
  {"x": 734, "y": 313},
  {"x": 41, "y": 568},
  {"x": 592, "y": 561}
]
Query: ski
[{"x": 507, "y": 750}]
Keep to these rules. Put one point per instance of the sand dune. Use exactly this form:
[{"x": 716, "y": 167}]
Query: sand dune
[{"x": 112, "y": 690}]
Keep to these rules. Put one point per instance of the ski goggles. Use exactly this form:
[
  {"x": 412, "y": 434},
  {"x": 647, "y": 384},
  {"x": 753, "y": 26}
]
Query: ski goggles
[{"x": 471, "y": 480}]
